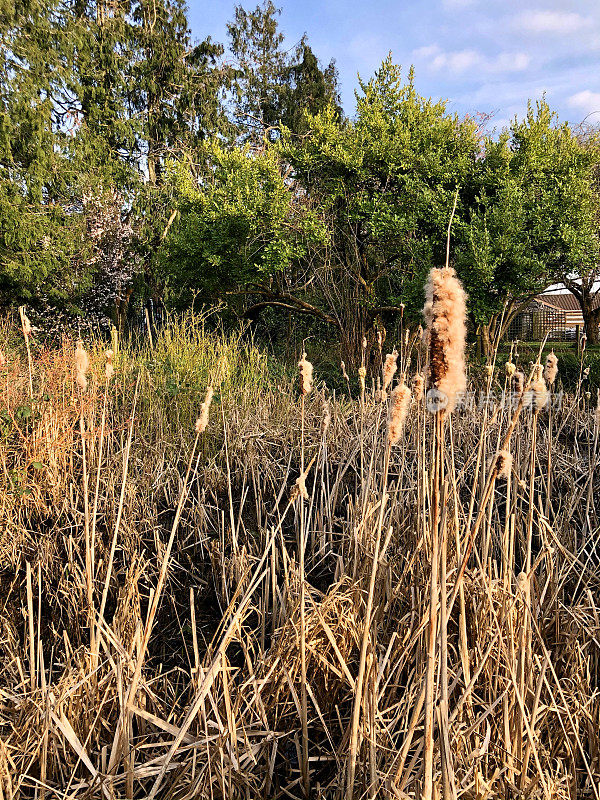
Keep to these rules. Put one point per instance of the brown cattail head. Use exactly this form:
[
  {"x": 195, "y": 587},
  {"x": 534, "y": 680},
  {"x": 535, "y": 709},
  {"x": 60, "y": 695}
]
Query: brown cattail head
[
  {"x": 504, "y": 463},
  {"x": 202, "y": 420},
  {"x": 551, "y": 368},
  {"x": 518, "y": 383},
  {"x": 510, "y": 369},
  {"x": 445, "y": 314},
  {"x": 82, "y": 363},
  {"x": 418, "y": 385},
  {"x": 305, "y": 369},
  {"x": 389, "y": 368},
  {"x": 299, "y": 488},
  {"x": 362, "y": 375},
  {"x": 398, "y": 412}
]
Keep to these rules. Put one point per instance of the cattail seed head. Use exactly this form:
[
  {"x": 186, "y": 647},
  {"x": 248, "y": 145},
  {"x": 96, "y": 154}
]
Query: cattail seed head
[
  {"x": 418, "y": 383},
  {"x": 2, "y": 360},
  {"x": 82, "y": 363},
  {"x": 445, "y": 314},
  {"x": 504, "y": 463},
  {"x": 510, "y": 369},
  {"x": 305, "y": 369},
  {"x": 398, "y": 412},
  {"x": 551, "y": 368},
  {"x": 489, "y": 370},
  {"x": 202, "y": 421},
  {"x": 362, "y": 375},
  {"x": 26, "y": 325},
  {"x": 539, "y": 393},
  {"x": 299, "y": 488},
  {"x": 344, "y": 373},
  {"x": 364, "y": 343},
  {"x": 518, "y": 382},
  {"x": 389, "y": 368}
]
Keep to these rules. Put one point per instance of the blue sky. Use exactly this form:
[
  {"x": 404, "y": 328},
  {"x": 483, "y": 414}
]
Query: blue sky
[{"x": 485, "y": 56}]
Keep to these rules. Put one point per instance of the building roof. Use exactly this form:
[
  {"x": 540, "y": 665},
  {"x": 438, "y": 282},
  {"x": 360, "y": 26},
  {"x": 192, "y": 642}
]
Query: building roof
[{"x": 565, "y": 301}]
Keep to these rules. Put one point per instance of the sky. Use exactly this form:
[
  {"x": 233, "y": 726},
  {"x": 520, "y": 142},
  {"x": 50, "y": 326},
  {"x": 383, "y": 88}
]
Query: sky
[{"x": 482, "y": 56}]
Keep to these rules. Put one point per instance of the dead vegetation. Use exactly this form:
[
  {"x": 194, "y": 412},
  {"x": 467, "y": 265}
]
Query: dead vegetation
[{"x": 177, "y": 621}]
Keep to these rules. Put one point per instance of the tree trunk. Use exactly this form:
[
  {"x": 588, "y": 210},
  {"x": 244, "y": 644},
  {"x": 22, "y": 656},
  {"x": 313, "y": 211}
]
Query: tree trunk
[{"x": 591, "y": 318}]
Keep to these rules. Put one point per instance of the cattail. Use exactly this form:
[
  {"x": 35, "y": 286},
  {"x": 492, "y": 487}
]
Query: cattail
[
  {"x": 362, "y": 375},
  {"x": 2, "y": 360},
  {"x": 518, "y": 383},
  {"x": 378, "y": 396},
  {"x": 202, "y": 420},
  {"x": 539, "y": 393},
  {"x": 82, "y": 363},
  {"x": 306, "y": 375},
  {"x": 489, "y": 370},
  {"x": 109, "y": 370},
  {"x": 364, "y": 343},
  {"x": 344, "y": 373},
  {"x": 389, "y": 368},
  {"x": 504, "y": 463},
  {"x": 398, "y": 411},
  {"x": 510, "y": 369},
  {"x": 406, "y": 337},
  {"x": 418, "y": 383},
  {"x": 299, "y": 489},
  {"x": 326, "y": 416},
  {"x": 26, "y": 325},
  {"x": 551, "y": 368},
  {"x": 538, "y": 372},
  {"x": 445, "y": 314}
]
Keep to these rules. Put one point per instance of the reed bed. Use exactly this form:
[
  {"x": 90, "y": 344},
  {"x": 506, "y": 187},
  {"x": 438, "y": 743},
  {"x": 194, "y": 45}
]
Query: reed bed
[{"x": 286, "y": 593}]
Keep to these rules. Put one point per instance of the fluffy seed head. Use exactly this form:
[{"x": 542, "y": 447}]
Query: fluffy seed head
[
  {"x": 418, "y": 384},
  {"x": 344, "y": 373},
  {"x": 551, "y": 368},
  {"x": 362, "y": 375},
  {"x": 82, "y": 363},
  {"x": 445, "y": 314},
  {"x": 489, "y": 370},
  {"x": 504, "y": 461},
  {"x": 26, "y": 325},
  {"x": 389, "y": 368},
  {"x": 398, "y": 411},
  {"x": 510, "y": 369},
  {"x": 299, "y": 488},
  {"x": 518, "y": 382},
  {"x": 539, "y": 393},
  {"x": 202, "y": 420},
  {"x": 305, "y": 369}
]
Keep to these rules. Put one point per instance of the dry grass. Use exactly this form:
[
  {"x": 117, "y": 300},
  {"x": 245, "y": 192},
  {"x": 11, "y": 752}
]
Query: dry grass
[{"x": 157, "y": 638}]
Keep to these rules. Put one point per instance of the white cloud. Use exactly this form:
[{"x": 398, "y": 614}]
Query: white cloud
[
  {"x": 457, "y": 62},
  {"x": 585, "y": 100},
  {"x": 543, "y": 21}
]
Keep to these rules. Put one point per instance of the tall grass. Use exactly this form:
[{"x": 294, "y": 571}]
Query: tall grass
[{"x": 246, "y": 611}]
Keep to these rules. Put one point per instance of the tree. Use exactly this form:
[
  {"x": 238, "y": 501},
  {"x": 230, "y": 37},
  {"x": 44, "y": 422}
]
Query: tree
[
  {"x": 341, "y": 224},
  {"x": 531, "y": 223},
  {"x": 271, "y": 88}
]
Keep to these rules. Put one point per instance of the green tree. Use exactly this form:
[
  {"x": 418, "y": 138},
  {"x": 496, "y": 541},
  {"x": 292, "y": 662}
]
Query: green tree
[
  {"x": 271, "y": 88},
  {"x": 532, "y": 221}
]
